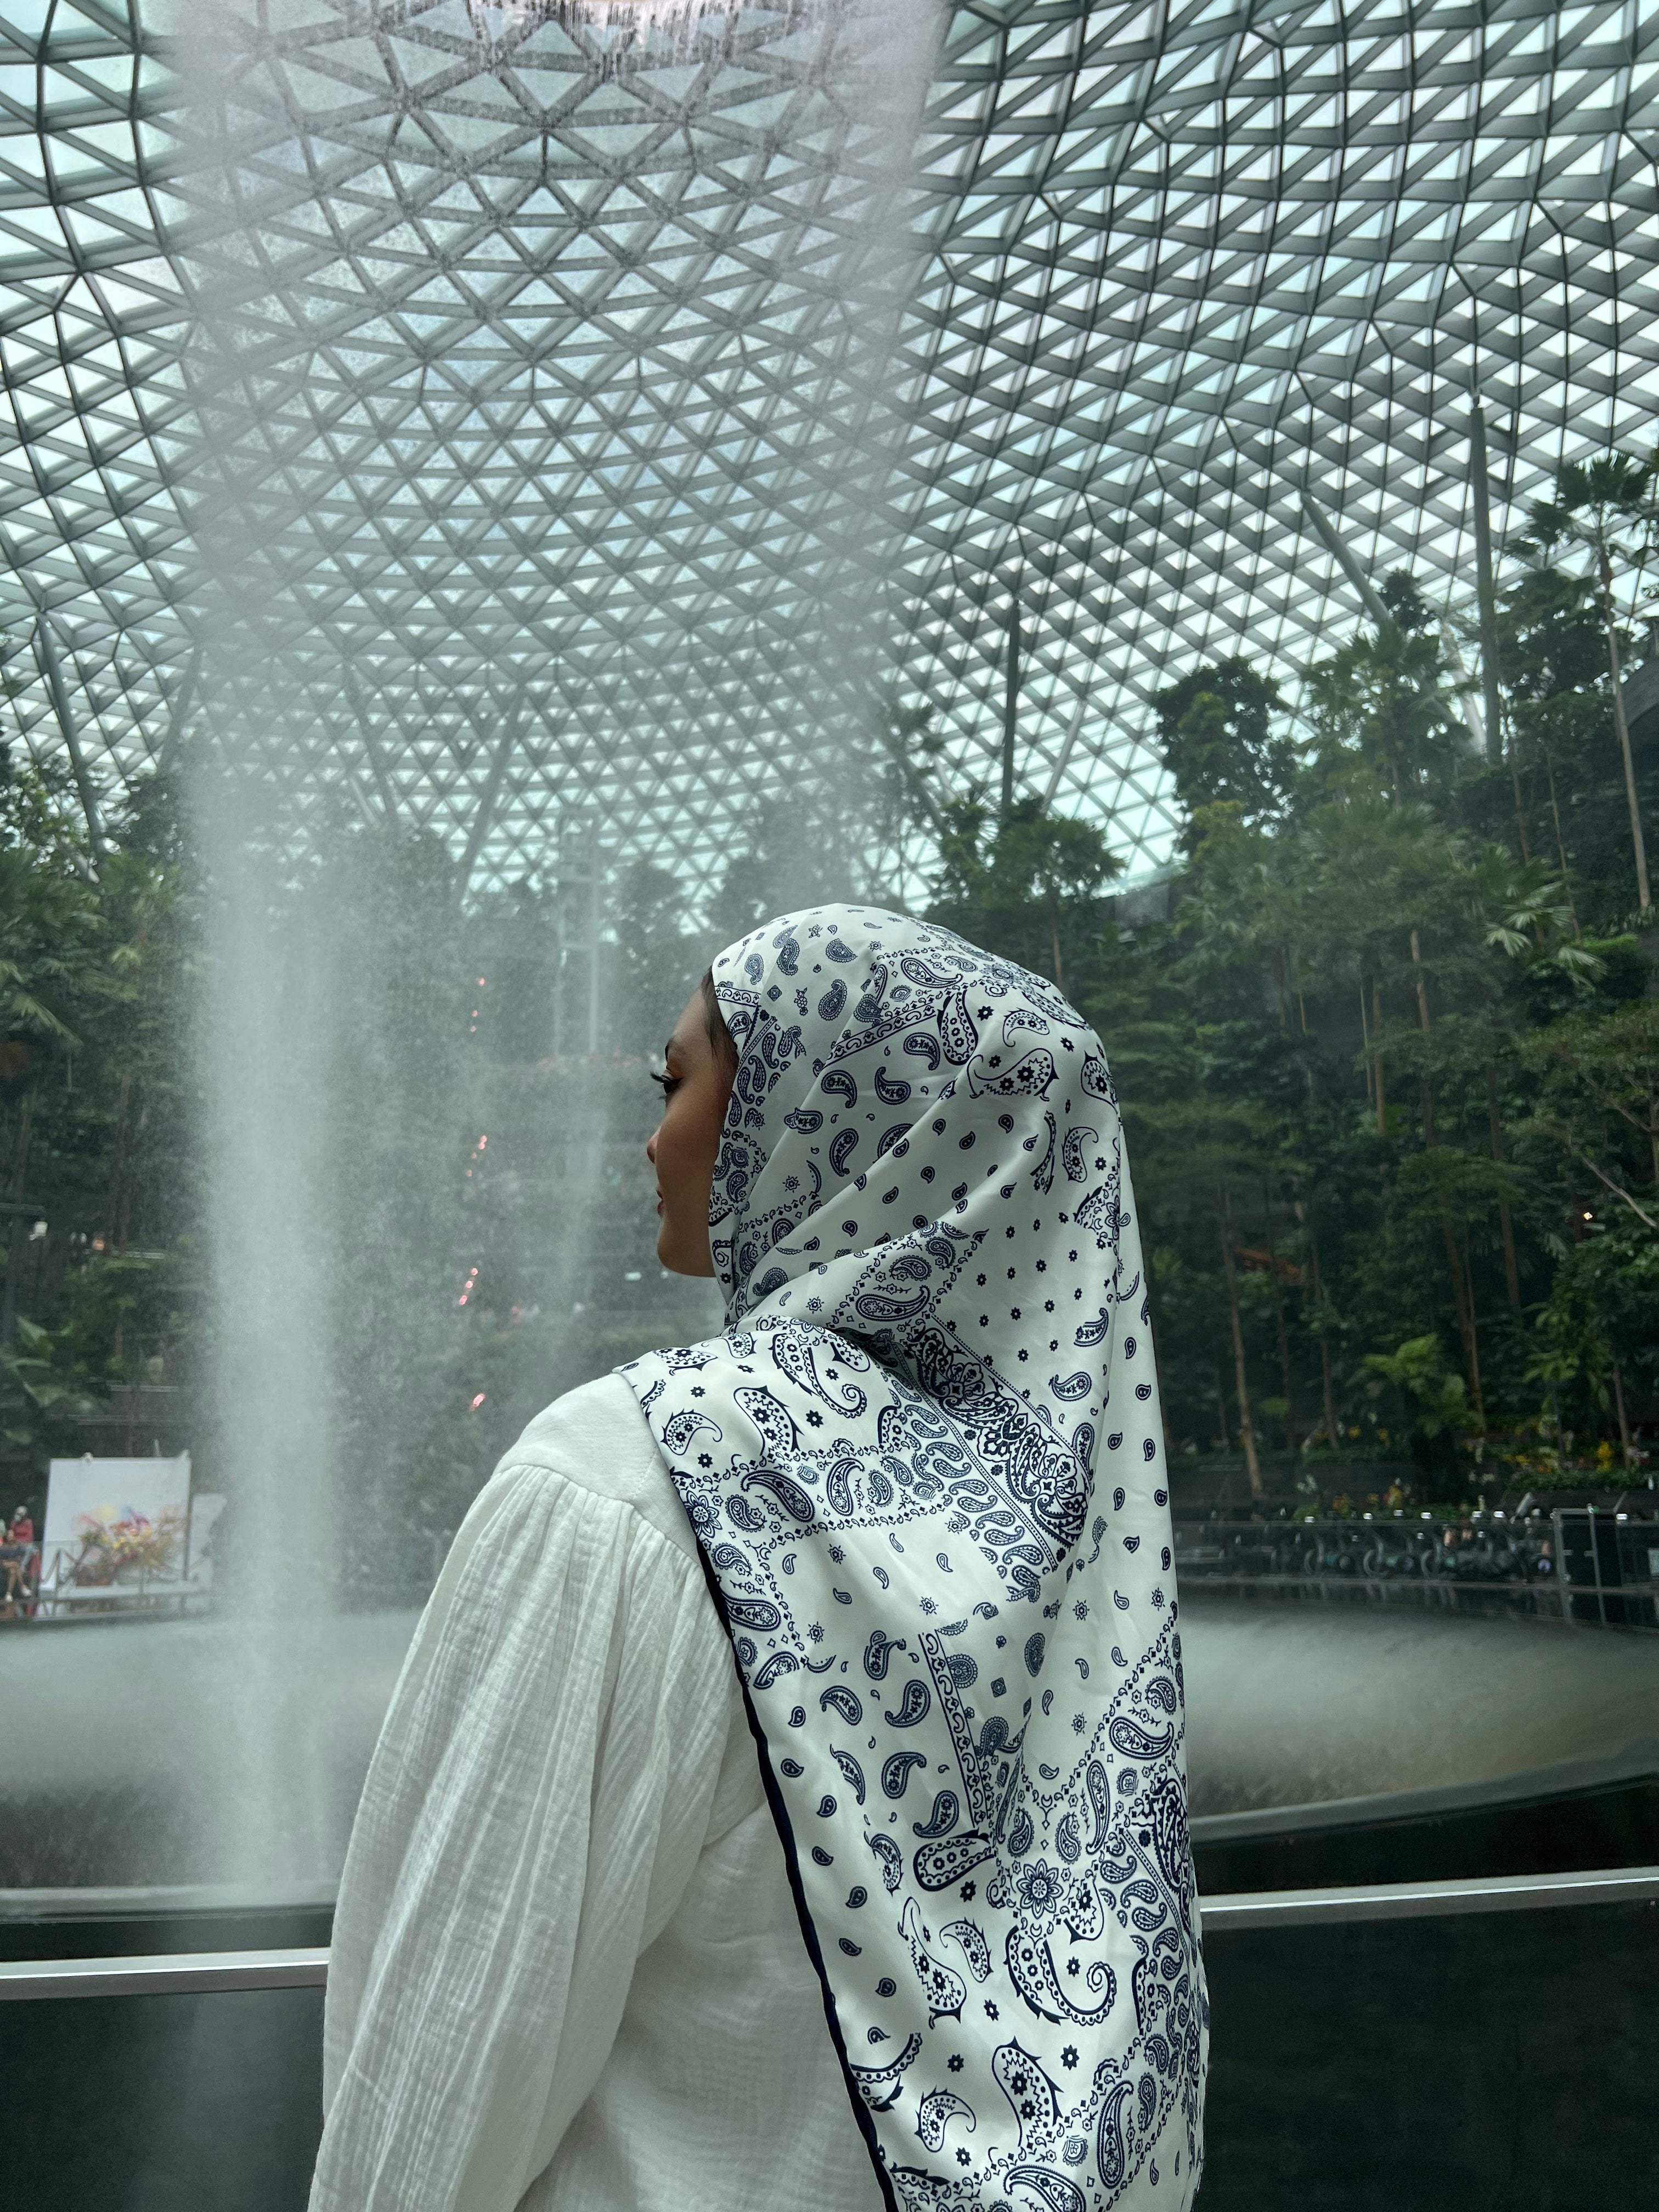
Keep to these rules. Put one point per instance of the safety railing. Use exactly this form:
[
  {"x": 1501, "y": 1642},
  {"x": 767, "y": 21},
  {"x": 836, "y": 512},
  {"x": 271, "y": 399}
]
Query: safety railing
[
  {"x": 202, "y": 1973},
  {"x": 1577, "y": 1563}
]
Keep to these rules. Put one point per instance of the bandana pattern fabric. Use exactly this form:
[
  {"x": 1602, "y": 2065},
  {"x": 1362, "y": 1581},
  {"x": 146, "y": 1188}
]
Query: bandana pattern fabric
[{"x": 924, "y": 1468}]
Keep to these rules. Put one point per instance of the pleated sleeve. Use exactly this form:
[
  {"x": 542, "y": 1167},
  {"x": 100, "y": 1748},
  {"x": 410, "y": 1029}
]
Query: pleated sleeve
[{"x": 534, "y": 1808}]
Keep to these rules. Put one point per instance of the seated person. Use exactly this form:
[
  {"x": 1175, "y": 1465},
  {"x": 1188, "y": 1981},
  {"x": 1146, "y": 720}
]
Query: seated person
[{"x": 15, "y": 1552}]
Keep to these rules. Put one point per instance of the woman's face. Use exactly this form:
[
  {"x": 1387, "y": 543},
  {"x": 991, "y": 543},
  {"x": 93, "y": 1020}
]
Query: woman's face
[{"x": 696, "y": 1090}]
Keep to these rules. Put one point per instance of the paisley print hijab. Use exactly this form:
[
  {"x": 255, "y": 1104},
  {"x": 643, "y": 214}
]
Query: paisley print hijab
[{"x": 924, "y": 1464}]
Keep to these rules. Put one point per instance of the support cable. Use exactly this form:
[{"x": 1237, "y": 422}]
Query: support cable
[
  {"x": 1328, "y": 537},
  {"x": 485, "y": 816},
  {"x": 1480, "y": 500},
  {"x": 45, "y": 652}
]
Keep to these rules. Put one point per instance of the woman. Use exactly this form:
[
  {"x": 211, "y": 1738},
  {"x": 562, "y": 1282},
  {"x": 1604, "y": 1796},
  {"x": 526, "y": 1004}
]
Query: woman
[{"x": 901, "y": 1911}]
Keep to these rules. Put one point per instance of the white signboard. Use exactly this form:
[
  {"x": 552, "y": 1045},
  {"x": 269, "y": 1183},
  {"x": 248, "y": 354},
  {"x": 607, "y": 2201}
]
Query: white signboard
[{"x": 134, "y": 1501}]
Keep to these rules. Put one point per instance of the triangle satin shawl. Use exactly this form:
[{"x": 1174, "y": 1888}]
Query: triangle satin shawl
[{"x": 924, "y": 1465}]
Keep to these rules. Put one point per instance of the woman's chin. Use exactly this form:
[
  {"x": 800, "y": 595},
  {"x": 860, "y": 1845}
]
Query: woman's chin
[{"x": 671, "y": 1254}]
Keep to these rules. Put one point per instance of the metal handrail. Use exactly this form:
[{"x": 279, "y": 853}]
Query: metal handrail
[
  {"x": 1424, "y": 1901},
  {"x": 193, "y": 1972},
  {"x": 163, "y": 1974}
]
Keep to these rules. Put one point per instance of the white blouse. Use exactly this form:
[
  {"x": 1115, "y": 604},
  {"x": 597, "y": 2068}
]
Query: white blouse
[{"x": 567, "y": 1971}]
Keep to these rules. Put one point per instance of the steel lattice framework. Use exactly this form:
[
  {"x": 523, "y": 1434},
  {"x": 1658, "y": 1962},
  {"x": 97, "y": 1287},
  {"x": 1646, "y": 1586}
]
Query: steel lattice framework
[{"x": 509, "y": 417}]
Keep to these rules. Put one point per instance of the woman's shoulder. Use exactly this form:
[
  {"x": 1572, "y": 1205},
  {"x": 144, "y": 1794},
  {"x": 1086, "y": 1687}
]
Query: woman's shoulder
[{"x": 597, "y": 1438}]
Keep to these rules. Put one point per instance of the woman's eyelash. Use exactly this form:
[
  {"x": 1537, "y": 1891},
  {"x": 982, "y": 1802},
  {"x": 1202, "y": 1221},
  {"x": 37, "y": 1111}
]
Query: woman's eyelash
[{"x": 669, "y": 1084}]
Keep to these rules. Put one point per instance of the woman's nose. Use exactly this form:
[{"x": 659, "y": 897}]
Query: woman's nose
[{"x": 651, "y": 1148}]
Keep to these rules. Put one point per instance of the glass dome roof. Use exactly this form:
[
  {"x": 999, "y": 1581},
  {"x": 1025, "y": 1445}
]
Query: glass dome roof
[{"x": 510, "y": 418}]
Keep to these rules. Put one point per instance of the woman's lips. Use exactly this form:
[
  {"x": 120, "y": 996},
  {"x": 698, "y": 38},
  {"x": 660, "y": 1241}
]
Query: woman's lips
[{"x": 660, "y": 1202}]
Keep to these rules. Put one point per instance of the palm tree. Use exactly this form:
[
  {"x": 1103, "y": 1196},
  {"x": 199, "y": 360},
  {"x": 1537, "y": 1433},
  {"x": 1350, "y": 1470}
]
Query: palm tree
[{"x": 1607, "y": 508}]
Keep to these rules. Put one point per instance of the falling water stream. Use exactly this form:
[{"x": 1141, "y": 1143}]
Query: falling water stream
[{"x": 333, "y": 1016}]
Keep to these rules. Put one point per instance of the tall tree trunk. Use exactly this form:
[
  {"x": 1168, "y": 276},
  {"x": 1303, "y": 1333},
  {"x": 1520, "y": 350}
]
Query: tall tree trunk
[
  {"x": 1462, "y": 1281},
  {"x": 1639, "y": 844},
  {"x": 1505, "y": 1221},
  {"x": 1324, "y": 1335},
  {"x": 1423, "y": 1021},
  {"x": 1462, "y": 1299},
  {"x": 1377, "y": 1030},
  {"x": 20, "y": 1157},
  {"x": 14, "y": 1228},
  {"x": 1515, "y": 780},
  {"x": 1224, "y": 1441},
  {"x": 1284, "y": 1376},
  {"x": 1561, "y": 846},
  {"x": 1365, "y": 1042},
  {"x": 118, "y": 1163},
  {"x": 1618, "y": 1407},
  {"x": 1241, "y": 1378},
  {"x": 1426, "y": 1023}
]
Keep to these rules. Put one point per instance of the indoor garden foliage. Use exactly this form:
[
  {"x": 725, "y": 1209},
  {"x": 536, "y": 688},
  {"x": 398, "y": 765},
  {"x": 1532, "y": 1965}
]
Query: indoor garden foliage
[{"x": 1387, "y": 1035}]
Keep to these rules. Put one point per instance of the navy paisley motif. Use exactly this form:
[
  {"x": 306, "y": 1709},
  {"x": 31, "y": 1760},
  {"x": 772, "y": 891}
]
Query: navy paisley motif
[
  {"x": 790, "y": 1495},
  {"x": 943, "y": 1988},
  {"x": 970, "y": 1942},
  {"x": 1137, "y": 1743},
  {"x": 944, "y": 1817},
  {"x": 935, "y": 2113},
  {"x": 1098, "y": 1213},
  {"x": 957, "y": 1033},
  {"x": 1031, "y": 1970},
  {"x": 879, "y": 2084},
  {"x": 891, "y": 1861},
  {"x": 1052, "y": 2190},
  {"x": 937, "y": 1866},
  {"x": 897, "y": 1770},
  {"x": 852, "y": 1773},
  {"x": 1079, "y": 1141},
  {"x": 679, "y": 1430},
  {"x": 1033, "y": 1077},
  {"x": 1042, "y": 1175},
  {"x": 913, "y": 1706},
  {"x": 1097, "y": 1083},
  {"x": 752, "y": 1613}
]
